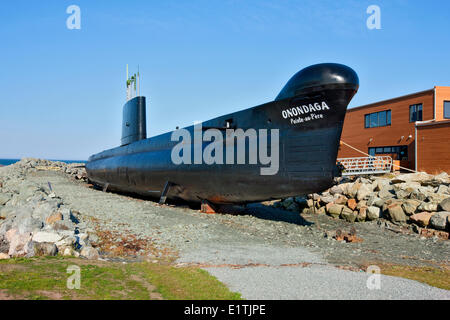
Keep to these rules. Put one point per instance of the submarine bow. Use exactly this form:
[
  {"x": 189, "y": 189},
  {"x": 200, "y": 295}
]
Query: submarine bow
[{"x": 307, "y": 115}]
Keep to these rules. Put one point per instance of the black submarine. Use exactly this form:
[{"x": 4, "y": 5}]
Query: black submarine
[{"x": 282, "y": 148}]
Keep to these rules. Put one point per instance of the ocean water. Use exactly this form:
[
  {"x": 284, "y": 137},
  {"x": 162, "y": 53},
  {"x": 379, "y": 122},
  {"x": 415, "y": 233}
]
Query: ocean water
[{"x": 7, "y": 162}]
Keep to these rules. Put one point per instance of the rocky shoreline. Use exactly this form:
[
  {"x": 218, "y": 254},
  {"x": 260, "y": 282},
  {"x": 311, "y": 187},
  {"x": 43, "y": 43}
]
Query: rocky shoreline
[
  {"x": 418, "y": 201},
  {"x": 34, "y": 220}
]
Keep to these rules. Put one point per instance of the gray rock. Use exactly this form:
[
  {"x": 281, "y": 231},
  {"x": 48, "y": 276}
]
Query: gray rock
[
  {"x": 410, "y": 206},
  {"x": 362, "y": 214},
  {"x": 373, "y": 213},
  {"x": 396, "y": 213},
  {"x": 28, "y": 225},
  {"x": 4, "y": 245},
  {"x": 45, "y": 249},
  {"x": 440, "y": 220},
  {"x": 418, "y": 195},
  {"x": 340, "y": 199},
  {"x": 381, "y": 183},
  {"x": 19, "y": 244},
  {"x": 442, "y": 178},
  {"x": 43, "y": 236},
  {"x": 361, "y": 204},
  {"x": 336, "y": 190},
  {"x": 437, "y": 197},
  {"x": 334, "y": 209},
  {"x": 326, "y": 199},
  {"x": 45, "y": 208},
  {"x": 364, "y": 192},
  {"x": 445, "y": 205},
  {"x": 428, "y": 206},
  {"x": 348, "y": 214},
  {"x": 90, "y": 253},
  {"x": 442, "y": 189},
  {"x": 386, "y": 193},
  {"x": 352, "y": 189},
  {"x": 375, "y": 201},
  {"x": 402, "y": 194},
  {"x": 417, "y": 176}
]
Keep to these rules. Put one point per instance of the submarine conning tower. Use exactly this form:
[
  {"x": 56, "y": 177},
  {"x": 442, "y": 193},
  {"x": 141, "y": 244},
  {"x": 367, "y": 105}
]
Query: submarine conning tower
[
  {"x": 320, "y": 77},
  {"x": 134, "y": 119}
]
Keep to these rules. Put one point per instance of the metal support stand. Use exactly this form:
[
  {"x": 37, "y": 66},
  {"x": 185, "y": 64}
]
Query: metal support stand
[{"x": 164, "y": 193}]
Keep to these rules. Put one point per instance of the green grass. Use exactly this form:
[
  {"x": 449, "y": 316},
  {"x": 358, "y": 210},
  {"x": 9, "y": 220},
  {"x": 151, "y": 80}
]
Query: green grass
[
  {"x": 436, "y": 277},
  {"x": 46, "y": 278}
]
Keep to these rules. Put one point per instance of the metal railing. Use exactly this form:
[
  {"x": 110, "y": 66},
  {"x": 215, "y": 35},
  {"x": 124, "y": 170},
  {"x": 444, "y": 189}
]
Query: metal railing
[{"x": 365, "y": 165}]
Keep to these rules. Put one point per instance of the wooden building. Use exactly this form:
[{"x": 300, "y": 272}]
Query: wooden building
[{"x": 413, "y": 129}]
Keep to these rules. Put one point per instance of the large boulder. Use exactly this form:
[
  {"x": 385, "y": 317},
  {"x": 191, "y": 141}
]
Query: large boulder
[
  {"x": 44, "y": 236},
  {"x": 445, "y": 205},
  {"x": 326, "y": 199},
  {"x": 364, "y": 192},
  {"x": 442, "y": 189},
  {"x": 348, "y": 214},
  {"x": 437, "y": 197},
  {"x": 386, "y": 193},
  {"x": 410, "y": 206},
  {"x": 19, "y": 244},
  {"x": 90, "y": 253},
  {"x": 362, "y": 214},
  {"x": 44, "y": 249},
  {"x": 351, "y": 203},
  {"x": 340, "y": 199},
  {"x": 396, "y": 213},
  {"x": 336, "y": 190},
  {"x": 373, "y": 213},
  {"x": 442, "y": 178},
  {"x": 428, "y": 206},
  {"x": 402, "y": 194},
  {"x": 381, "y": 183},
  {"x": 375, "y": 201},
  {"x": 440, "y": 220},
  {"x": 334, "y": 209},
  {"x": 417, "y": 177},
  {"x": 421, "y": 219}
]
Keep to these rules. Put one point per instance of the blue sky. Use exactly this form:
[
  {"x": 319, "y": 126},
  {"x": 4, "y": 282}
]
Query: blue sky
[{"x": 62, "y": 90}]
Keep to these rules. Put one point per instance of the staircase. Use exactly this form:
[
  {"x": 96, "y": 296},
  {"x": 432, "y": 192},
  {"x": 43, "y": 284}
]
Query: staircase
[{"x": 365, "y": 165}]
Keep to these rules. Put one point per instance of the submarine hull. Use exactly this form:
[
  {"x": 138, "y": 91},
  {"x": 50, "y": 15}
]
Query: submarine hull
[{"x": 309, "y": 124}]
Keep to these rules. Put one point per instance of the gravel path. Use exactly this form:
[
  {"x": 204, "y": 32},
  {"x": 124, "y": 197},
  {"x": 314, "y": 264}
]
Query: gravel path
[
  {"x": 266, "y": 253},
  {"x": 319, "y": 282}
]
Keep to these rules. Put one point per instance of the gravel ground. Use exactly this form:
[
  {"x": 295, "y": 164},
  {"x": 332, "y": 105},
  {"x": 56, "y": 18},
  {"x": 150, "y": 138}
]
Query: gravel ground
[
  {"x": 265, "y": 253},
  {"x": 319, "y": 282}
]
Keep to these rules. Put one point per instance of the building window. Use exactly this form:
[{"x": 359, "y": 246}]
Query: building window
[
  {"x": 397, "y": 152},
  {"x": 415, "y": 112},
  {"x": 377, "y": 119},
  {"x": 447, "y": 109}
]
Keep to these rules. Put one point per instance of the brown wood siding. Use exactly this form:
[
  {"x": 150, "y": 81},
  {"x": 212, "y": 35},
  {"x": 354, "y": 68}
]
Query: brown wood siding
[
  {"x": 433, "y": 148},
  {"x": 357, "y": 136}
]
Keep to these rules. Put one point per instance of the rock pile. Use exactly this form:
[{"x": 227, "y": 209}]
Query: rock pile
[
  {"x": 419, "y": 199},
  {"x": 34, "y": 220}
]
